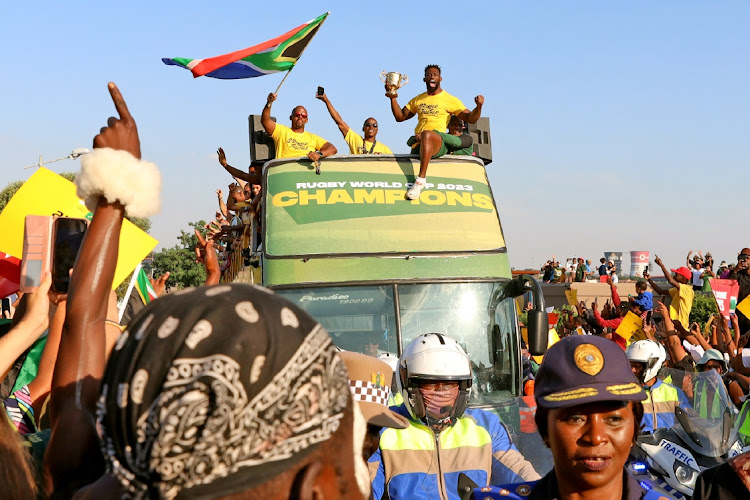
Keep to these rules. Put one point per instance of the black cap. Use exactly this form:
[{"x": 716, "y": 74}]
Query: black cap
[{"x": 585, "y": 369}]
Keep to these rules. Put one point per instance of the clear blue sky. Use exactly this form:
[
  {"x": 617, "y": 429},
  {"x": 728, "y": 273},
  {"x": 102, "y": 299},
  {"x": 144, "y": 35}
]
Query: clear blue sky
[{"x": 615, "y": 125}]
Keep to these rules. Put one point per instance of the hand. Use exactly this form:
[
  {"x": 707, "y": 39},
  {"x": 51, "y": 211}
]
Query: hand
[
  {"x": 663, "y": 309},
  {"x": 322, "y": 97},
  {"x": 271, "y": 97},
  {"x": 314, "y": 156},
  {"x": 119, "y": 133},
  {"x": 594, "y": 306},
  {"x": 418, "y": 138},
  {"x": 37, "y": 306},
  {"x": 658, "y": 261},
  {"x": 220, "y": 194},
  {"x": 479, "y": 100},
  {"x": 222, "y": 157},
  {"x": 389, "y": 91},
  {"x": 159, "y": 284}
]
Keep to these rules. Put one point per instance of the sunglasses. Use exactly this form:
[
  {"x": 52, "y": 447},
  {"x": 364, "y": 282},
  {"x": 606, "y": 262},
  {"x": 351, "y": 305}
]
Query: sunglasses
[
  {"x": 300, "y": 115},
  {"x": 371, "y": 125}
]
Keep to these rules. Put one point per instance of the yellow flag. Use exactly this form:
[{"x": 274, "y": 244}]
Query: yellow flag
[
  {"x": 572, "y": 296},
  {"x": 631, "y": 328},
  {"x": 46, "y": 193},
  {"x": 744, "y": 306}
]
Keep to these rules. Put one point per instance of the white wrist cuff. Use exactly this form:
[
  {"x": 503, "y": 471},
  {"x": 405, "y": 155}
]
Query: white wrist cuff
[{"x": 119, "y": 176}]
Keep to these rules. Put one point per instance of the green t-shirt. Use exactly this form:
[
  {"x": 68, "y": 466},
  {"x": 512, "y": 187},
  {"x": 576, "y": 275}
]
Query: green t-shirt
[{"x": 453, "y": 144}]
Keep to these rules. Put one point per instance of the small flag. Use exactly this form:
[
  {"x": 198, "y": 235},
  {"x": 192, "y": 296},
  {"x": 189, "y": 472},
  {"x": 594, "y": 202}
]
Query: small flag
[
  {"x": 143, "y": 285},
  {"x": 10, "y": 274},
  {"x": 272, "y": 56}
]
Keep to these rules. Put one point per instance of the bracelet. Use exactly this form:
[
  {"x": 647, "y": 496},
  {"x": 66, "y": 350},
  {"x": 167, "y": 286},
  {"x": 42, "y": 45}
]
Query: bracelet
[{"x": 119, "y": 176}]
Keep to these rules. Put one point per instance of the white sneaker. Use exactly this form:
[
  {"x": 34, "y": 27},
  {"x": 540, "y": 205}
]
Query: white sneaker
[{"x": 413, "y": 192}]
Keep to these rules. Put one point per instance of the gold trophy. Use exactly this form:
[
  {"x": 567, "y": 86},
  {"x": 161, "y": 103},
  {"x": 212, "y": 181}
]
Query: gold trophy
[{"x": 395, "y": 81}]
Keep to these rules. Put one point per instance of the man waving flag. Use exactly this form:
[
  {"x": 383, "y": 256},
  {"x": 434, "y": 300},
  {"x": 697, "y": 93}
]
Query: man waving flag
[{"x": 272, "y": 56}]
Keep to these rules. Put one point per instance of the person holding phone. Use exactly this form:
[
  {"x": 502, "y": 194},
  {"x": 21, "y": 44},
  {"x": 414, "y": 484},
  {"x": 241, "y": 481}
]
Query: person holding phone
[
  {"x": 368, "y": 143},
  {"x": 295, "y": 141}
]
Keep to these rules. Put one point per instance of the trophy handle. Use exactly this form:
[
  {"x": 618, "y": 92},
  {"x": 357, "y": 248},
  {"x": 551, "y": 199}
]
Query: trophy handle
[
  {"x": 382, "y": 76},
  {"x": 404, "y": 80}
]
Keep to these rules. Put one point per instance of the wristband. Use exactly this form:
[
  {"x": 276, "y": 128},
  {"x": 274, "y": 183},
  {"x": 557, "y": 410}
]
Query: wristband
[{"x": 119, "y": 176}]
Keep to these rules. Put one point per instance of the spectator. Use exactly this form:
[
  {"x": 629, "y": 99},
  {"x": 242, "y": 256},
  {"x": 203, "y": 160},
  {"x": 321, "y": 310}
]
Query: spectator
[
  {"x": 741, "y": 273},
  {"x": 370, "y": 383},
  {"x": 603, "y": 267},
  {"x": 433, "y": 109},
  {"x": 365, "y": 145},
  {"x": 295, "y": 141},
  {"x": 681, "y": 293},
  {"x": 580, "y": 273},
  {"x": 723, "y": 270}
]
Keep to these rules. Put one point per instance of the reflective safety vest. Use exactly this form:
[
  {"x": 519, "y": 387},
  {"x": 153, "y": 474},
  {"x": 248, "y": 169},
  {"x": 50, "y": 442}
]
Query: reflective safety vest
[
  {"x": 744, "y": 428},
  {"x": 415, "y": 463},
  {"x": 526, "y": 410},
  {"x": 707, "y": 399},
  {"x": 658, "y": 408}
]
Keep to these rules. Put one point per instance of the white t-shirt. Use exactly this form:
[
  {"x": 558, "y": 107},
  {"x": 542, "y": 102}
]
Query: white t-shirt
[{"x": 697, "y": 277}]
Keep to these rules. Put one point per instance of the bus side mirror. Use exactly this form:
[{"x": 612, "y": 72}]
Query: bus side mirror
[{"x": 538, "y": 331}]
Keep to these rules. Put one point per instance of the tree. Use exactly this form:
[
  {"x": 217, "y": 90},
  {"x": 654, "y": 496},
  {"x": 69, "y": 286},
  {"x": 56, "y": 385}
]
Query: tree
[{"x": 179, "y": 260}]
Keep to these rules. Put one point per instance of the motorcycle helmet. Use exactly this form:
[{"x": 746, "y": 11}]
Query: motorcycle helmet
[
  {"x": 649, "y": 352},
  {"x": 434, "y": 357}
]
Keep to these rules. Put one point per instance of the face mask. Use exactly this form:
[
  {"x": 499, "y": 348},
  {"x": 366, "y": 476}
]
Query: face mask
[{"x": 439, "y": 403}]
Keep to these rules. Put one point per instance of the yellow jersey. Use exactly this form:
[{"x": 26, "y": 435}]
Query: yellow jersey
[
  {"x": 434, "y": 111},
  {"x": 290, "y": 144},
  {"x": 682, "y": 303},
  {"x": 355, "y": 142}
]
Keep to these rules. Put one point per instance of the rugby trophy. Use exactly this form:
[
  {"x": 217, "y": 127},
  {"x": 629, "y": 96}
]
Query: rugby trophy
[{"x": 395, "y": 81}]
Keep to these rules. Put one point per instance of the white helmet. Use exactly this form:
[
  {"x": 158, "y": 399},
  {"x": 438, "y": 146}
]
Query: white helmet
[
  {"x": 390, "y": 358},
  {"x": 433, "y": 356},
  {"x": 649, "y": 352}
]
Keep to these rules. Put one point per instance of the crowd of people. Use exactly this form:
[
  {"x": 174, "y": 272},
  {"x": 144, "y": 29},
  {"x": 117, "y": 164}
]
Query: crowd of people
[{"x": 230, "y": 391}]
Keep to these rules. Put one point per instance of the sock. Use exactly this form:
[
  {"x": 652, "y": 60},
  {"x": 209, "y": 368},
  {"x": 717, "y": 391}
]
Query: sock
[{"x": 420, "y": 180}]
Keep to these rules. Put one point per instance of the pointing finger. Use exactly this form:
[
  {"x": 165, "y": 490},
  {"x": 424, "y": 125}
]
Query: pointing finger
[{"x": 119, "y": 102}]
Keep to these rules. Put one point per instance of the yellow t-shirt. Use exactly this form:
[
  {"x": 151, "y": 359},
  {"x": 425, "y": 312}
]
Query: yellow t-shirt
[
  {"x": 434, "y": 111},
  {"x": 682, "y": 303},
  {"x": 290, "y": 144},
  {"x": 355, "y": 142}
]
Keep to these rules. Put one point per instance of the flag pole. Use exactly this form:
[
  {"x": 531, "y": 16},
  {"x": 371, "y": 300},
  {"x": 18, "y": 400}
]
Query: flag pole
[
  {"x": 129, "y": 291},
  {"x": 300, "y": 54}
]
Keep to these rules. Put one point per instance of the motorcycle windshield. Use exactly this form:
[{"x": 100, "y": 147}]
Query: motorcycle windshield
[{"x": 707, "y": 425}]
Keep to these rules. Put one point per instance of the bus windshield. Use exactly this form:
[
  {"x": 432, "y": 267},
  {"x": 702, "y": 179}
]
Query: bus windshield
[{"x": 371, "y": 319}]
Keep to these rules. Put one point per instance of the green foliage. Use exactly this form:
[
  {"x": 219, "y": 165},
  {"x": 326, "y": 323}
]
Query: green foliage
[
  {"x": 179, "y": 260},
  {"x": 8, "y": 191},
  {"x": 704, "y": 306}
]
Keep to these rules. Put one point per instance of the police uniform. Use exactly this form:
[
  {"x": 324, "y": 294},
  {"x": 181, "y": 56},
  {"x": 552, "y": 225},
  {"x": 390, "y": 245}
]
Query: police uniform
[{"x": 578, "y": 370}]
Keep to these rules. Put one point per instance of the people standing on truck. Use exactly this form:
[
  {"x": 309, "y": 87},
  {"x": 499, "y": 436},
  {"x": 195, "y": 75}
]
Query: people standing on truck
[
  {"x": 682, "y": 294},
  {"x": 368, "y": 143},
  {"x": 295, "y": 141},
  {"x": 646, "y": 359},
  {"x": 588, "y": 413},
  {"x": 433, "y": 109},
  {"x": 444, "y": 438}
]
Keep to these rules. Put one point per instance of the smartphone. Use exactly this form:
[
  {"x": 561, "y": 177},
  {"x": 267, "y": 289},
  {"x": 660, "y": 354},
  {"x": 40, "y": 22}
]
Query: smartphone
[
  {"x": 68, "y": 236},
  {"x": 648, "y": 317},
  {"x": 37, "y": 251},
  {"x": 321, "y": 91}
]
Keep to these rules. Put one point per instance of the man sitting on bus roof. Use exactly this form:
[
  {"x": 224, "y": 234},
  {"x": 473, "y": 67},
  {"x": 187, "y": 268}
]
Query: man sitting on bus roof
[
  {"x": 433, "y": 109},
  {"x": 365, "y": 145},
  {"x": 294, "y": 142}
]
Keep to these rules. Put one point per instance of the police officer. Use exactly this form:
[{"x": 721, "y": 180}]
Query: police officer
[{"x": 589, "y": 407}]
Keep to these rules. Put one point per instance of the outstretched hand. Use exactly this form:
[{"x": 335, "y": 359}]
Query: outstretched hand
[
  {"x": 321, "y": 97},
  {"x": 37, "y": 306},
  {"x": 222, "y": 157},
  {"x": 159, "y": 284},
  {"x": 119, "y": 133},
  {"x": 206, "y": 254},
  {"x": 479, "y": 100},
  {"x": 658, "y": 261}
]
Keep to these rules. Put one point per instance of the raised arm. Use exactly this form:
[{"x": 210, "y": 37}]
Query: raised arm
[
  {"x": 239, "y": 174},
  {"x": 73, "y": 457},
  {"x": 343, "y": 127},
  {"x": 265, "y": 117},
  {"x": 670, "y": 279},
  {"x": 222, "y": 205},
  {"x": 473, "y": 115}
]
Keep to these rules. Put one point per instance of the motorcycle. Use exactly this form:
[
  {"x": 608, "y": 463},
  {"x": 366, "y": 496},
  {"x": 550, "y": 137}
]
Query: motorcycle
[{"x": 704, "y": 435}]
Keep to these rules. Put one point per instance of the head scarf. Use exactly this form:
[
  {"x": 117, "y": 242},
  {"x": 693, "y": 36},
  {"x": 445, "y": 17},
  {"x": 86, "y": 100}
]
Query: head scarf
[{"x": 213, "y": 390}]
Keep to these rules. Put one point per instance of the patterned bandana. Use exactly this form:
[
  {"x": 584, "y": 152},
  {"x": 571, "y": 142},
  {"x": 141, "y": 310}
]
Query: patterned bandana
[{"x": 214, "y": 390}]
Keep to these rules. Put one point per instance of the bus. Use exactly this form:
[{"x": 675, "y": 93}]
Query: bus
[{"x": 377, "y": 270}]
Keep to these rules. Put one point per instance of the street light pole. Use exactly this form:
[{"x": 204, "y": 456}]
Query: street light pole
[{"x": 76, "y": 153}]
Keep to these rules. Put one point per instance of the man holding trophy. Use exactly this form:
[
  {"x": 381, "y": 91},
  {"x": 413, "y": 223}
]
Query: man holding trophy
[
  {"x": 434, "y": 109},
  {"x": 365, "y": 145}
]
